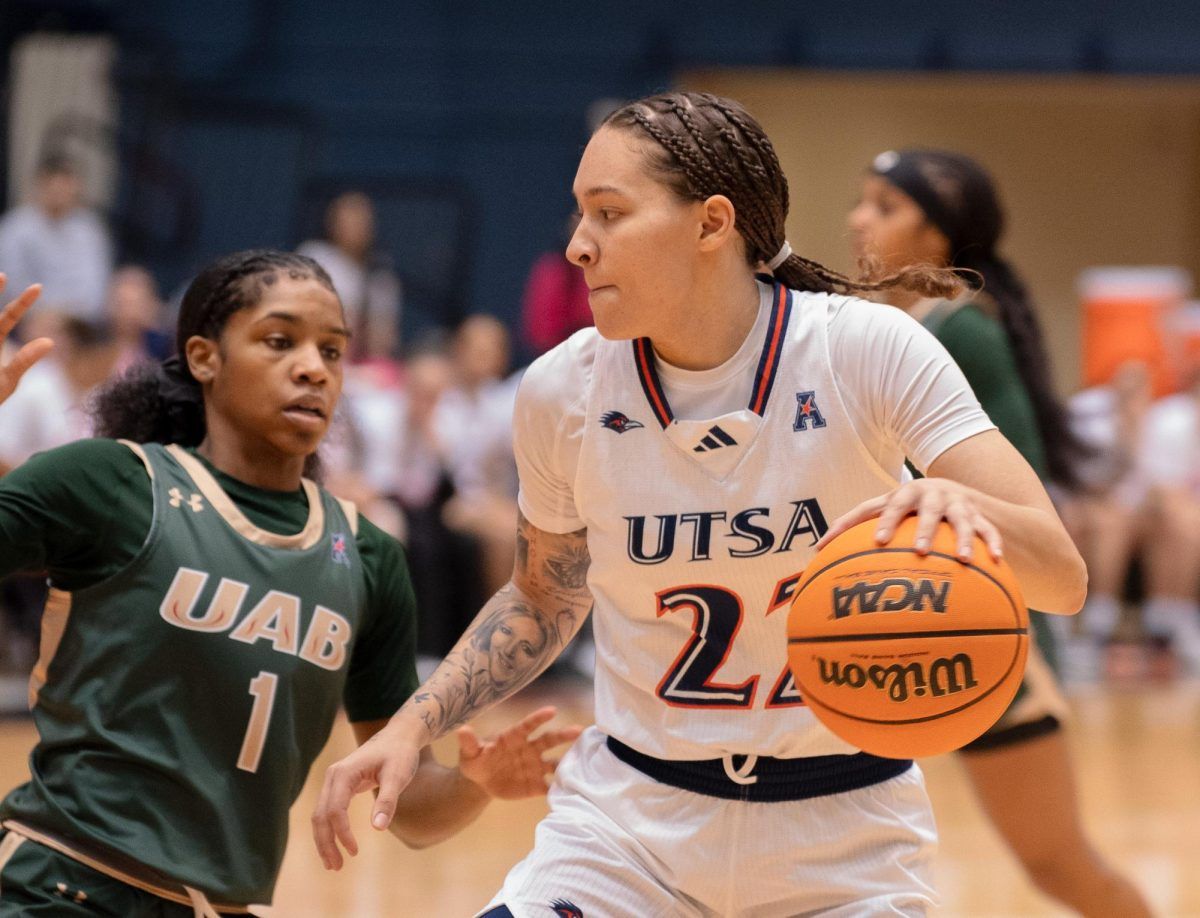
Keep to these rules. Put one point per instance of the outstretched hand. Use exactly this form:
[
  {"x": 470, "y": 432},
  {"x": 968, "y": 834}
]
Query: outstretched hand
[
  {"x": 31, "y": 353},
  {"x": 510, "y": 766}
]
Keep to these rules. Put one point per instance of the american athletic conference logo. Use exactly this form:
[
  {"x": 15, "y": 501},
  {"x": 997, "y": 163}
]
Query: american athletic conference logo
[
  {"x": 616, "y": 420},
  {"x": 807, "y": 411},
  {"x": 337, "y": 549}
]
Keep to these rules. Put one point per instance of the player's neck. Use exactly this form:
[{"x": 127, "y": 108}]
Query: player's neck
[
  {"x": 254, "y": 464},
  {"x": 900, "y": 298},
  {"x": 720, "y": 314}
]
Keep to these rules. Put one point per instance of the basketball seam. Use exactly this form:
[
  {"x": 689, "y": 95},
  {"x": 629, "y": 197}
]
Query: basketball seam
[{"x": 894, "y": 635}]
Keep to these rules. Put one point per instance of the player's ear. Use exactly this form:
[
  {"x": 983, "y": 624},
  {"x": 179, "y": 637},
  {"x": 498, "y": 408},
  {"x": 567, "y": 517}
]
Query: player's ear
[
  {"x": 717, "y": 222},
  {"x": 203, "y": 358}
]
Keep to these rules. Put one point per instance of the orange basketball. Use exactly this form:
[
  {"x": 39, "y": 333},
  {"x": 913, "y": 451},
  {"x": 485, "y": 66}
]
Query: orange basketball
[{"x": 903, "y": 655}]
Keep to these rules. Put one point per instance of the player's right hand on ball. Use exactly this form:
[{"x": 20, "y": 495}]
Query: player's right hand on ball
[
  {"x": 386, "y": 761},
  {"x": 31, "y": 353}
]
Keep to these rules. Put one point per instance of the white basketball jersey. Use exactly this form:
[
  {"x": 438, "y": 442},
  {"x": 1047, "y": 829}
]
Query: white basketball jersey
[{"x": 698, "y": 531}]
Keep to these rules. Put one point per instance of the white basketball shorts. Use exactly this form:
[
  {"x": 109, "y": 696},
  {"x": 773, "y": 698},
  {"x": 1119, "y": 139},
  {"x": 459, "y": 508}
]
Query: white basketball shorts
[{"x": 618, "y": 844}]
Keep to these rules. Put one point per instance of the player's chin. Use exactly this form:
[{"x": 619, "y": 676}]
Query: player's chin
[
  {"x": 610, "y": 325},
  {"x": 299, "y": 443}
]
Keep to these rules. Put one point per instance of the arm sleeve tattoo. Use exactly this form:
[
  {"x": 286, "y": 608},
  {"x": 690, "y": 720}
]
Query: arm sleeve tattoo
[{"x": 517, "y": 634}]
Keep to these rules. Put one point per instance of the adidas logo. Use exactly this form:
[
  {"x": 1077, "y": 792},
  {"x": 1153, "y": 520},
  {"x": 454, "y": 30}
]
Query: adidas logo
[{"x": 715, "y": 439}]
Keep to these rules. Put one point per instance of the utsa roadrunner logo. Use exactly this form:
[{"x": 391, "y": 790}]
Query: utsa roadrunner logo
[
  {"x": 563, "y": 908},
  {"x": 616, "y": 420},
  {"x": 195, "y": 501},
  {"x": 944, "y": 676}
]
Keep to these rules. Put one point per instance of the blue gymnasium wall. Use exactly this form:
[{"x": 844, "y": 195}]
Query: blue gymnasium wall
[{"x": 465, "y": 119}]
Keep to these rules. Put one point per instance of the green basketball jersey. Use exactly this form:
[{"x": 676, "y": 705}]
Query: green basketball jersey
[{"x": 181, "y": 701}]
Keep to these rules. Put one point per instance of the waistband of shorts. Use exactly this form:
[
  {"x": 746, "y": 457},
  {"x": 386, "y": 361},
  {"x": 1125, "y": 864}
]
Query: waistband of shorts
[
  {"x": 130, "y": 875},
  {"x": 774, "y": 780}
]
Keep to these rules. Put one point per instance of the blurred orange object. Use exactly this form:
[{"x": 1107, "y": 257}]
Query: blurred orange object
[
  {"x": 1126, "y": 315},
  {"x": 1184, "y": 341}
]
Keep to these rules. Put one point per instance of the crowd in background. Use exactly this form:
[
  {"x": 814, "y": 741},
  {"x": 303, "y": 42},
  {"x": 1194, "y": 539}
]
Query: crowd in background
[{"x": 423, "y": 438}]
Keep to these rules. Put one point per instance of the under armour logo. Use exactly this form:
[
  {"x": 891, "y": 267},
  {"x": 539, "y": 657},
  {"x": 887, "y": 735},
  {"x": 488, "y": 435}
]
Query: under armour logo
[
  {"x": 80, "y": 895},
  {"x": 715, "y": 439},
  {"x": 807, "y": 411},
  {"x": 196, "y": 502}
]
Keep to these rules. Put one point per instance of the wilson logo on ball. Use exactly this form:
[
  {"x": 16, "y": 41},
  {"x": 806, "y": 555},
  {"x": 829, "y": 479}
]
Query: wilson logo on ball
[
  {"x": 900, "y": 680},
  {"x": 896, "y": 594}
]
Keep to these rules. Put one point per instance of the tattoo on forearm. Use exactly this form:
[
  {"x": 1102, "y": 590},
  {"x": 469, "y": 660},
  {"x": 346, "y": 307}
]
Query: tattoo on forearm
[
  {"x": 569, "y": 569},
  {"x": 522, "y": 564},
  {"x": 514, "y": 638}
]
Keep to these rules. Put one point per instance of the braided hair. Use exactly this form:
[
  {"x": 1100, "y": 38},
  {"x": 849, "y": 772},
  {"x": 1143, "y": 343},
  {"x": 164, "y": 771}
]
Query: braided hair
[
  {"x": 704, "y": 145},
  {"x": 958, "y": 196},
  {"x": 163, "y": 402}
]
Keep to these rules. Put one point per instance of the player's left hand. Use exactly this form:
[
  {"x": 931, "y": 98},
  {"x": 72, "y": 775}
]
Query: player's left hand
[
  {"x": 511, "y": 765},
  {"x": 31, "y": 353},
  {"x": 932, "y": 500}
]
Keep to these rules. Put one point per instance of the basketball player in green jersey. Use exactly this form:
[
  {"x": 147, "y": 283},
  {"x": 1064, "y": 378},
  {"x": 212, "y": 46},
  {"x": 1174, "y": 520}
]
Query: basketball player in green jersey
[
  {"x": 210, "y": 609},
  {"x": 941, "y": 208}
]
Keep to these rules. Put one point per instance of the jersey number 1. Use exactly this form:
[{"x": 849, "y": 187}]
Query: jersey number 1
[
  {"x": 716, "y": 619},
  {"x": 262, "y": 687}
]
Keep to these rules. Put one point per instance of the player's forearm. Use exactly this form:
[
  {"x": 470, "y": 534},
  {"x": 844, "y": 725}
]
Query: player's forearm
[
  {"x": 1037, "y": 547},
  {"x": 547, "y": 601},
  {"x": 438, "y": 803}
]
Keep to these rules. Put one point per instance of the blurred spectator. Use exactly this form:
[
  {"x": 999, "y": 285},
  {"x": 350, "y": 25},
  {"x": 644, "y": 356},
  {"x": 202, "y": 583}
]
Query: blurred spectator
[
  {"x": 555, "y": 304},
  {"x": 48, "y": 410},
  {"x": 50, "y": 407},
  {"x": 136, "y": 313},
  {"x": 404, "y": 459},
  {"x": 57, "y": 241},
  {"x": 474, "y": 429},
  {"x": 362, "y": 275},
  {"x": 1105, "y": 515},
  {"x": 1170, "y": 460}
]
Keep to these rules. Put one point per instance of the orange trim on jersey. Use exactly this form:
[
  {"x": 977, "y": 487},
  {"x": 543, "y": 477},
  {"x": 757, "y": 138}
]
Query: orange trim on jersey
[{"x": 650, "y": 382}]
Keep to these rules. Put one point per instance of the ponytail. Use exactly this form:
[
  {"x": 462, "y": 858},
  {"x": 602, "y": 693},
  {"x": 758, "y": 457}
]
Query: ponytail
[
  {"x": 1064, "y": 449},
  {"x": 152, "y": 403}
]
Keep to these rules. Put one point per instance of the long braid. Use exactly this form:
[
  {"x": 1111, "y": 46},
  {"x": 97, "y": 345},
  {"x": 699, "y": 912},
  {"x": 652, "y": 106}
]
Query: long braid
[
  {"x": 707, "y": 145},
  {"x": 1024, "y": 331}
]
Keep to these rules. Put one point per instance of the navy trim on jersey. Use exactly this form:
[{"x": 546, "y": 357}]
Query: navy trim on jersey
[
  {"x": 764, "y": 376},
  {"x": 768, "y": 364},
  {"x": 778, "y": 780},
  {"x": 643, "y": 356}
]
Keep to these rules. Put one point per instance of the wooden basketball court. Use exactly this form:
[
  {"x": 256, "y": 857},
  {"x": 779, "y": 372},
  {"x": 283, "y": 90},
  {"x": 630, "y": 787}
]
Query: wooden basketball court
[{"x": 1137, "y": 748}]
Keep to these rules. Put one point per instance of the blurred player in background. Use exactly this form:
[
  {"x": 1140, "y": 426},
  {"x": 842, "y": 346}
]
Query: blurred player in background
[
  {"x": 677, "y": 467},
  {"x": 935, "y": 207},
  {"x": 210, "y": 610}
]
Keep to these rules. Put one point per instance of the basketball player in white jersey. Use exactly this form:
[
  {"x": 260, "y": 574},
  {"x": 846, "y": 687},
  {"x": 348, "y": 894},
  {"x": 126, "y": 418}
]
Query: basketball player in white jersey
[{"x": 679, "y": 465}]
